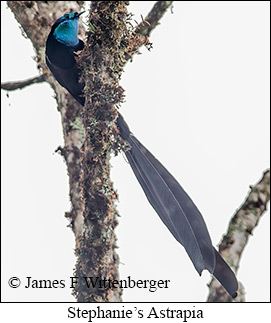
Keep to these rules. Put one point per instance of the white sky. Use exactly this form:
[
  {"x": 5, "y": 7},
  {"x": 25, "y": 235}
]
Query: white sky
[{"x": 199, "y": 101}]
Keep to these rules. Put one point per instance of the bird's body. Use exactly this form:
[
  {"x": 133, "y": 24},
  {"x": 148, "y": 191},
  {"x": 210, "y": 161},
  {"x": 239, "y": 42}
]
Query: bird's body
[
  {"x": 165, "y": 194},
  {"x": 61, "y": 47}
]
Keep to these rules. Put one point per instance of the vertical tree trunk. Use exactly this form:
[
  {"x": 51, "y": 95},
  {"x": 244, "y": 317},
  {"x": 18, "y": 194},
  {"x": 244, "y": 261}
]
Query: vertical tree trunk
[
  {"x": 36, "y": 19},
  {"x": 90, "y": 133},
  {"x": 102, "y": 61}
]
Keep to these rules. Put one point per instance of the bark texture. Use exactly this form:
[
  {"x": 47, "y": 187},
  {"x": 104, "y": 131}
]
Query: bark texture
[
  {"x": 152, "y": 20},
  {"x": 35, "y": 19},
  {"x": 102, "y": 61},
  {"x": 240, "y": 229},
  {"x": 11, "y": 86}
]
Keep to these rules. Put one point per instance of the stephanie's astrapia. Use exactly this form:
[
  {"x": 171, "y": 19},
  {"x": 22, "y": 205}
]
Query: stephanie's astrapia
[{"x": 165, "y": 194}]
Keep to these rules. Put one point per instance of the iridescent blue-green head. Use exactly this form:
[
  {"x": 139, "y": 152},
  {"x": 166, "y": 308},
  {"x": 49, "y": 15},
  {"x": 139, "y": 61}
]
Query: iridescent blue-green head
[{"x": 66, "y": 29}]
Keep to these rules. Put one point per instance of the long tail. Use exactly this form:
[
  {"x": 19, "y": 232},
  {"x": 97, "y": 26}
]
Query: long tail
[{"x": 176, "y": 210}]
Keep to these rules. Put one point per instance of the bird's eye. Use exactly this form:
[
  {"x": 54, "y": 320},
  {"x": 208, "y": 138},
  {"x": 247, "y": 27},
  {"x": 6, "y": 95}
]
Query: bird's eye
[
  {"x": 76, "y": 14},
  {"x": 66, "y": 15}
]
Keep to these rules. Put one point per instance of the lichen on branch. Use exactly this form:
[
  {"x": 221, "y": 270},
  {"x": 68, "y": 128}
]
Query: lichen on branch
[{"x": 102, "y": 63}]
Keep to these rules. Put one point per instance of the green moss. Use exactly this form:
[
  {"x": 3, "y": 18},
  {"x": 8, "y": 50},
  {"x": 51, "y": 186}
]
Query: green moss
[
  {"x": 92, "y": 27},
  {"x": 78, "y": 125},
  {"x": 92, "y": 122}
]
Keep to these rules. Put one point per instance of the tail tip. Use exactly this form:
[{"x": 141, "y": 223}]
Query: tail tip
[{"x": 234, "y": 295}]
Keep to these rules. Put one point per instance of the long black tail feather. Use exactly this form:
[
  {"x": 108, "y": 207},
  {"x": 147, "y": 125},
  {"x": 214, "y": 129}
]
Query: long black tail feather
[
  {"x": 225, "y": 275},
  {"x": 176, "y": 210}
]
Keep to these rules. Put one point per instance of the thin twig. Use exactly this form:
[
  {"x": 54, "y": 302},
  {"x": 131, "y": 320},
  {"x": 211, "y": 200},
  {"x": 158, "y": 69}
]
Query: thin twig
[
  {"x": 240, "y": 228},
  {"x": 12, "y": 86}
]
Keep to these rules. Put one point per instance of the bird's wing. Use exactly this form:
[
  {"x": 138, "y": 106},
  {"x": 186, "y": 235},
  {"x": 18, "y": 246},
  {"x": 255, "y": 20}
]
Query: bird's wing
[{"x": 68, "y": 78}]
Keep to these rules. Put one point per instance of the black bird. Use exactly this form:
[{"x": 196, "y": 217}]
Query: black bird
[
  {"x": 61, "y": 45},
  {"x": 165, "y": 194}
]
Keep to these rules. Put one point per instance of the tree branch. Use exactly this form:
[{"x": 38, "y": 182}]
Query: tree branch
[
  {"x": 144, "y": 29},
  {"x": 36, "y": 19},
  {"x": 102, "y": 65},
  {"x": 152, "y": 20},
  {"x": 240, "y": 228},
  {"x": 11, "y": 86}
]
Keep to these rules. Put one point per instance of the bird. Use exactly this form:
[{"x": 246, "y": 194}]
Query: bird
[
  {"x": 61, "y": 46},
  {"x": 170, "y": 201}
]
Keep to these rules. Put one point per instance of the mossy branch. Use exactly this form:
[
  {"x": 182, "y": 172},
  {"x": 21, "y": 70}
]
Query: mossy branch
[{"x": 102, "y": 63}]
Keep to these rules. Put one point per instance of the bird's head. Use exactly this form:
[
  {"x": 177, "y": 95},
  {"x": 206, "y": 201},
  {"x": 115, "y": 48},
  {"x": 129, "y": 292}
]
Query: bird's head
[{"x": 65, "y": 28}]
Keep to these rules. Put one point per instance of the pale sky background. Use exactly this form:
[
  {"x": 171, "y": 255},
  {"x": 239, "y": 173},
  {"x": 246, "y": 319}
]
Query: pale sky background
[{"x": 199, "y": 100}]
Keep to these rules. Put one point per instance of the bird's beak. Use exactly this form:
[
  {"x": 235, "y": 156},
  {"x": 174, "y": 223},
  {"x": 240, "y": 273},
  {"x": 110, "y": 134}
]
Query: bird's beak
[{"x": 80, "y": 13}]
